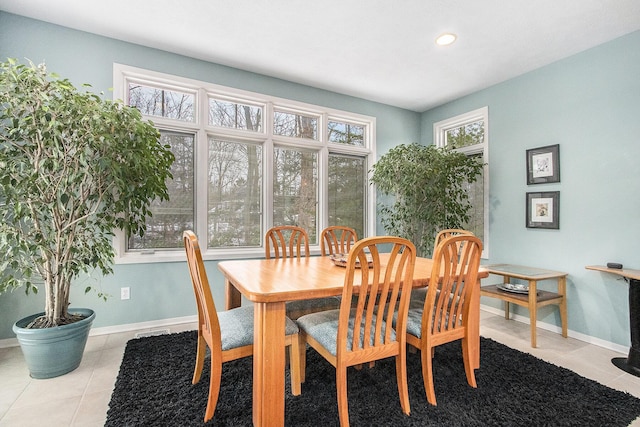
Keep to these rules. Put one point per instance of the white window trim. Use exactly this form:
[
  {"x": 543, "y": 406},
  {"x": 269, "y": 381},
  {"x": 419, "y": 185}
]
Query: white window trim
[
  {"x": 439, "y": 130},
  {"x": 123, "y": 73}
]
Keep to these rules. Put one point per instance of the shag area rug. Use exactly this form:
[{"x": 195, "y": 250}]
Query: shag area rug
[{"x": 514, "y": 389}]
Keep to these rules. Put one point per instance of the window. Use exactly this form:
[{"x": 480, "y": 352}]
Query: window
[
  {"x": 295, "y": 125},
  {"x": 346, "y": 133},
  {"x": 246, "y": 162},
  {"x": 157, "y": 101},
  {"x": 468, "y": 133},
  {"x": 170, "y": 218},
  {"x": 235, "y": 115},
  {"x": 347, "y": 191},
  {"x": 234, "y": 200}
]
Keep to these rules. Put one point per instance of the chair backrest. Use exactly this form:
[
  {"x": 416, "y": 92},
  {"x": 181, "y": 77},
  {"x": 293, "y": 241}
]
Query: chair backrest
[
  {"x": 288, "y": 241},
  {"x": 337, "y": 239},
  {"x": 208, "y": 322},
  {"x": 456, "y": 262},
  {"x": 444, "y": 234},
  {"x": 381, "y": 289}
]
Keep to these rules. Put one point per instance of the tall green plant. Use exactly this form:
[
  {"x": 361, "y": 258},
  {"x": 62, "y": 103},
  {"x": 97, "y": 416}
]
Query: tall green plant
[
  {"x": 426, "y": 189},
  {"x": 75, "y": 167}
]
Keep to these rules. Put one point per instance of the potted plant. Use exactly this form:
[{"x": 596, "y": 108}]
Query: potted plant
[
  {"x": 426, "y": 191},
  {"x": 75, "y": 167}
]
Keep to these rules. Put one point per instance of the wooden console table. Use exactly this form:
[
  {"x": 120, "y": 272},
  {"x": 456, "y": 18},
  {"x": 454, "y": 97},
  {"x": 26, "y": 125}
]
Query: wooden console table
[
  {"x": 631, "y": 363},
  {"x": 535, "y": 298}
]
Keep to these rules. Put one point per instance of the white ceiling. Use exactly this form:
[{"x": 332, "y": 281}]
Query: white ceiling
[{"x": 381, "y": 50}]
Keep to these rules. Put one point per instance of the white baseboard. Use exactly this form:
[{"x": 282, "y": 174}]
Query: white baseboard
[
  {"x": 153, "y": 324},
  {"x": 105, "y": 330},
  {"x": 557, "y": 329}
]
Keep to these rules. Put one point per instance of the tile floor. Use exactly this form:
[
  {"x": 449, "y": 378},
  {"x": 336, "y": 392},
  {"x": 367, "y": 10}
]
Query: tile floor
[{"x": 81, "y": 398}]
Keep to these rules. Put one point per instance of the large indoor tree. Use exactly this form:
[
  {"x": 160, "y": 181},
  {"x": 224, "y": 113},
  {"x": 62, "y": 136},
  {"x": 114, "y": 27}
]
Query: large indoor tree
[
  {"x": 75, "y": 167},
  {"x": 425, "y": 191}
]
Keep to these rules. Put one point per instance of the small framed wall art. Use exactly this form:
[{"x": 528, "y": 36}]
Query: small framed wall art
[
  {"x": 543, "y": 164},
  {"x": 543, "y": 210}
]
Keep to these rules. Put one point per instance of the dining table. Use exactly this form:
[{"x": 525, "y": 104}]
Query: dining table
[{"x": 269, "y": 284}]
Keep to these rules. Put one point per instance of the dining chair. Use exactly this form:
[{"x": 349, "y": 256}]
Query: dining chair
[
  {"x": 337, "y": 239},
  {"x": 228, "y": 334},
  {"x": 352, "y": 336},
  {"x": 289, "y": 241},
  {"x": 421, "y": 293},
  {"x": 444, "y": 315},
  {"x": 448, "y": 232}
]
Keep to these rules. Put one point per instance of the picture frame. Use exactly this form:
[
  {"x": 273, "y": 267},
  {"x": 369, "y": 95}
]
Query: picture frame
[
  {"x": 543, "y": 164},
  {"x": 543, "y": 210}
]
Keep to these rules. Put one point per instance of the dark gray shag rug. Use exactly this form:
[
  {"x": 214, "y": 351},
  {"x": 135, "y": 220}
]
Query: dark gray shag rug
[{"x": 514, "y": 389}]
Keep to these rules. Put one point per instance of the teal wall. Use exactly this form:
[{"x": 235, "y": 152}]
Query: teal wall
[
  {"x": 590, "y": 105},
  {"x": 158, "y": 291}
]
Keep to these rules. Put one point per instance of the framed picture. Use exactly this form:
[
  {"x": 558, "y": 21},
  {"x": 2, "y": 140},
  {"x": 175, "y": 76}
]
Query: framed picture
[
  {"x": 543, "y": 210},
  {"x": 543, "y": 164}
]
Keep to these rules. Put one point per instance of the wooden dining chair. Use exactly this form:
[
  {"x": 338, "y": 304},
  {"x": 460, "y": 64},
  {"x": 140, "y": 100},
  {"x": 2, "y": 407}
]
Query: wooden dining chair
[
  {"x": 358, "y": 335},
  {"x": 289, "y": 241},
  {"x": 444, "y": 315},
  {"x": 286, "y": 241},
  {"x": 420, "y": 294},
  {"x": 228, "y": 334},
  {"x": 448, "y": 232},
  {"x": 337, "y": 239}
]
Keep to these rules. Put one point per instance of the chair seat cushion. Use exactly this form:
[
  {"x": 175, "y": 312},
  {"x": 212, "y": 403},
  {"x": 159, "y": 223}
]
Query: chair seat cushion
[
  {"x": 300, "y": 308},
  {"x": 236, "y": 327},
  {"x": 414, "y": 319},
  {"x": 419, "y": 295},
  {"x": 323, "y": 327}
]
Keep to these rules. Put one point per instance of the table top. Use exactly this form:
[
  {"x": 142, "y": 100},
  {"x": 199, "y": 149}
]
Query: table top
[
  {"x": 523, "y": 272},
  {"x": 624, "y": 272},
  {"x": 289, "y": 279}
]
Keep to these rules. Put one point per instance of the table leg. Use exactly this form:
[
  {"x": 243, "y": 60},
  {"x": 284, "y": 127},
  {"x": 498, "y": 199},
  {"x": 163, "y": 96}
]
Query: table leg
[
  {"x": 562, "y": 290},
  {"x": 268, "y": 364},
  {"x": 233, "y": 298},
  {"x": 533, "y": 310},
  {"x": 506, "y": 279}
]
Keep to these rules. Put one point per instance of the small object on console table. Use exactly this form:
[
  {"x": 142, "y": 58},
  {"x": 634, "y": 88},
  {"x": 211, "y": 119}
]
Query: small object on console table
[{"x": 615, "y": 265}]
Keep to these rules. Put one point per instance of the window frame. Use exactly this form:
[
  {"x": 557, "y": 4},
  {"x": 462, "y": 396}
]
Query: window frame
[
  {"x": 202, "y": 130},
  {"x": 440, "y": 129}
]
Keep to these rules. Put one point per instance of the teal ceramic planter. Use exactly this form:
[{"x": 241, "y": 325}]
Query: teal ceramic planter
[{"x": 52, "y": 352}]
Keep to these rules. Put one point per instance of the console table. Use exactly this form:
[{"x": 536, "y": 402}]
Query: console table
[
  {"x": 534, "y": 298},
  {"x": 631, "y": 363}
]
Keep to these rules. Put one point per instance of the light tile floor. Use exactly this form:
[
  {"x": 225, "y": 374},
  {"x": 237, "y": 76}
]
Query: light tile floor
[{"x": 81, "y": 398}]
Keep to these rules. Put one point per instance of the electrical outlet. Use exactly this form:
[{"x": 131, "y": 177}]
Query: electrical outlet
[{"x": 125, "y": 293}]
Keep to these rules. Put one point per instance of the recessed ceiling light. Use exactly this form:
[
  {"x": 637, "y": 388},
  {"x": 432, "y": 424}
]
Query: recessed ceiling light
[{"x": 445, "y": 39}]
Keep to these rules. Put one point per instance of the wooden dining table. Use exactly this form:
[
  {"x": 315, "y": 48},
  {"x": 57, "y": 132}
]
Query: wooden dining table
[{"x": 269, "y": 284}]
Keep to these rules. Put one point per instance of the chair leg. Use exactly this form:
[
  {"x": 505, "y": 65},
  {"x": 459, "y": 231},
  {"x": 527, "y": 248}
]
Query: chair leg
[
  {"x": 401, "y": 378},
  {"x": 294, "y": 365},
  {"x": 214, "y": 387},
  {"x": 200, "y": 354},
  {"x": 302, "y": 358},
  {"x": 466, "y": 356},
  {"x": 343, "y": 405},
  {"x": 427, "y": 374}
]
